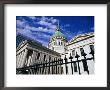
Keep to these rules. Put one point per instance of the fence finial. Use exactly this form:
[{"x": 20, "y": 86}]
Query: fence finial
[
  {"x": 77, "y": 56},
  {"x": 70, "y": 56}
]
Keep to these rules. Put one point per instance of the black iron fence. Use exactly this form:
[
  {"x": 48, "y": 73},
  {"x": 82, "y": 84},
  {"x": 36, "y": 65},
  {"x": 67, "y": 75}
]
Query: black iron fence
[{"x": 58, "y": 66}]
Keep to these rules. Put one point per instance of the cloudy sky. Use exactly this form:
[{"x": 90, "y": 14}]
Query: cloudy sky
[{"x": 41, "y": 28}]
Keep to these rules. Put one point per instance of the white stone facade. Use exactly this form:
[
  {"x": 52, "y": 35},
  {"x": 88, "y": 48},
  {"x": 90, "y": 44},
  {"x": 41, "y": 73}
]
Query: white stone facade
[
  {"x": 85, "y": 42},
  {"x": 68, "y": 57},
  {"x": 29, "y": 54},
  {"x": 82, "y": 41},
  {"x": 58, "y": 44}
]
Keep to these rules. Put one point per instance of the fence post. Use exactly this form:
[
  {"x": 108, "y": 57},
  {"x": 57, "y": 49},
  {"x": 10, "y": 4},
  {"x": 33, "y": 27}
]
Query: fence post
[
  {"x": 56, "y": 66},
  {"x": 52, "y": 66},
  {"x": 43, "y": 67},
  {"x": 92, "y": 52},
  {"x": 60, "y": 65},
  {"x": 40, "y": 67},
  {"x": 49, "y": 67},
  {"x": 77, "y": 56},
  {"x": 85, "y": 62},
  {"x": 71, "y": 62},
  {"x": 66, "y": 64}
]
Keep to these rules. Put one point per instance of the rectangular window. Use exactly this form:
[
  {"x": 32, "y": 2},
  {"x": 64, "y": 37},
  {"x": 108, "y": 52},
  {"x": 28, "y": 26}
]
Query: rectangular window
[
  {"x": 38, "y": 56},
  {"x": 49, "y": 57},
  {"x": 73, "y": 53},
  {"x": 44, "y": 57},
  {"x": 59, "y": 43},
  {"x": 82, "y": 51},
  {"x": 92, "y": 47}
]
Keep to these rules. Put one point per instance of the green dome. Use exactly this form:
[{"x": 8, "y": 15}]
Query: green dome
[{"x": 58, "y": 34}]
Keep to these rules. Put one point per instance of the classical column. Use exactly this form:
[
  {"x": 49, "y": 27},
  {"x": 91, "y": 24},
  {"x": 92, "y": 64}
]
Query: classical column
[
  {"x": 34, "y": 56},
  {"x": 24, "y": 57},
  {"x": 31, "y": 59},
  {"x": 17, "y": 61},
  {"x": 21, "y": 59}
]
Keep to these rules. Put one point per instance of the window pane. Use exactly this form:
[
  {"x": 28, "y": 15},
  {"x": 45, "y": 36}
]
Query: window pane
[
  {"x": 38, "y": 56},
  {"x": 59, "y": 43},
  {"x": 82, "y": 51},
  {"x": 73, "y": 53},
  {"x": 44, "y": 57},
  {"x": 92, "y": 47}
]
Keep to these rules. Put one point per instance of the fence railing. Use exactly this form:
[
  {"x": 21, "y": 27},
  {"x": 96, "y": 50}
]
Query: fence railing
[{"x": 58, "y": 66}]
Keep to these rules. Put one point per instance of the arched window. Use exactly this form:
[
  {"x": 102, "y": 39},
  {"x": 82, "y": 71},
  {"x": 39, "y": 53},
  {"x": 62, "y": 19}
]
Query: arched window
[{"x": 59, "y": 43}]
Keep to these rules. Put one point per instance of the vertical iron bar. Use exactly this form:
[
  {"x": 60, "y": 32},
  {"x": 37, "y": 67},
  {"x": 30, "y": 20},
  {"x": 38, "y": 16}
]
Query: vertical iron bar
[
  {"x": 49, "y": 67},
  {"x": 66, "y": 64},
  {"x": 56, "y": 66},
  {"x": 86, "y": 64},
  {"x": 71, "y": 62},
  {"x": 78, "y": 66},
  {"x": 45, "y": 66},
  {"x": 77, "y": 56},
  {"x": 52, "y": 67}
]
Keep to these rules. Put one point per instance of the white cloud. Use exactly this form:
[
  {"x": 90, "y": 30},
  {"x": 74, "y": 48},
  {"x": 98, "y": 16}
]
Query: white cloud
[
  {"x": 26, "y": 27},
  {"x": 53, "y": 20},
  {"x": 48, "y": 22},
  {"x": 21, "y": 23},
  {"x": 43, "y": 18},
  {"x": 40, "y": 33},
  {"x": 44, "y": 23},
  {"x": 32, "y": 17}
]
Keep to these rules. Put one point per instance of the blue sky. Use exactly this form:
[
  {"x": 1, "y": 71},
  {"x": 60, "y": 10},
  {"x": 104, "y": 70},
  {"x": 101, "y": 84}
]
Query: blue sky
[{"x": 41, "y": 28}]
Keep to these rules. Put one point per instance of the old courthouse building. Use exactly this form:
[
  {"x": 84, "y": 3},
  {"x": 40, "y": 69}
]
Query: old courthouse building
[{"x": 61, "y": 57}]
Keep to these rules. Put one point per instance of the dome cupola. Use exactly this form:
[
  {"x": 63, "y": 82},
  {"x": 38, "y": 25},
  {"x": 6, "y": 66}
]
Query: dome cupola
[
  {"x": 58, "y": 41},
  {"x": 58, "y": 33}
]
